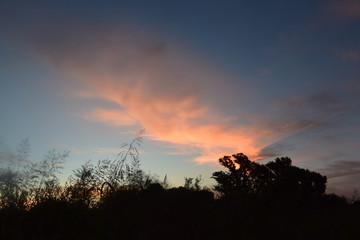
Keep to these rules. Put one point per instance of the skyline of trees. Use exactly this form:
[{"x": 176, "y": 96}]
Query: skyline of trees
[
  {"x": 24, "y": 181},
  {"x": 115, "y": 199}
]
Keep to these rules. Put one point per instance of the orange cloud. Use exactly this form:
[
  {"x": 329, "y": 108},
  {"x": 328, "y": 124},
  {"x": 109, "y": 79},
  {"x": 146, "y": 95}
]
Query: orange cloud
[
  {"x": 162, "y": 88},
  {"x": 177, "y": 119}
]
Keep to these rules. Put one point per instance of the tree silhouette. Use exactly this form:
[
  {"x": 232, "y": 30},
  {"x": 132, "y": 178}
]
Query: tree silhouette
[
  {"x": 288, "y": 179},
  {"x": 279, "y": 177},
  {"x": 115, "y": 199}
]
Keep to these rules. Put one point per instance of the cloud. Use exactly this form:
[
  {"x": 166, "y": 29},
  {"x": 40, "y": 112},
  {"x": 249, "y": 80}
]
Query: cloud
[
  {"x": 275, "y": 149},
  {"x": 342, "y": 176},
  {"x": 305, "y": 112},
  {"x": 351, "y": 54},
  {"x": 171, "y": 92},
  {"x": 342, "y": 168},
  {"x": 346, "y": 9},
  {"x": 300, "y": 124},
  {"x": 155, "y": 84}
]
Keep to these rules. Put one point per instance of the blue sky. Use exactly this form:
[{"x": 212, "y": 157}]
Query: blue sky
[{"x": 204, "y": 78}]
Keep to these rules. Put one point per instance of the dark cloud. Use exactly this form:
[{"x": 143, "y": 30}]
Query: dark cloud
[
  {"x": 344, "y": 9},
  {"x": 319, "y": 101},
  {"x": 353, "y": 85},
  {"x": 342, "y": 169},
  {"x": 351, "y": 54},
  {"x": 307, "y": 112},
  {"x": 344, "y": 185},
  {"x": 276, "y": 149},
  {"x": 312, "y": 126}
]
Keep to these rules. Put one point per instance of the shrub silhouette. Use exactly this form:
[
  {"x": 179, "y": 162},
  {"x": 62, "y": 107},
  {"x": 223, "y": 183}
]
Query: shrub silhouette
[
  {"x": 24, "y": 183},
  {"x": 116, "y": 200}
]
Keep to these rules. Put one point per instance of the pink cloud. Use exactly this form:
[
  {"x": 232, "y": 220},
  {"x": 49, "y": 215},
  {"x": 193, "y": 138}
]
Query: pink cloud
[
  {"x": 164, "y": 89},
  {"x": 175, "y": 118}
]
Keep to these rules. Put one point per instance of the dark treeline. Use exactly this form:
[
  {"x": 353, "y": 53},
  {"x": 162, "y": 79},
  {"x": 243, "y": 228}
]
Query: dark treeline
[{"x": 115, "y": 199}]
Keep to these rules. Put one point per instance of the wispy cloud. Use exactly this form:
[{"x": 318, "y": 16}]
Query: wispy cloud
[
  {"x": 275, "y": 149},
  {"x": 300, "y": 119},
  {"x": 342, "y": 168},
  {"x": 164, "y": 88},
  {"x": 351, "y": 54},
  {"x": 347, "y": 9},
  {"x": 156, "y": 85}
]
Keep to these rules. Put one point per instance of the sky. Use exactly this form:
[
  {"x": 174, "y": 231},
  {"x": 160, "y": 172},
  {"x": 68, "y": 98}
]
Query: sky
[{"x": 203, "y": 78}]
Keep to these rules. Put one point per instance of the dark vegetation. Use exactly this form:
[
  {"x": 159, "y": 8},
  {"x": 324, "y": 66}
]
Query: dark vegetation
[{"x": 115, "y": 199}]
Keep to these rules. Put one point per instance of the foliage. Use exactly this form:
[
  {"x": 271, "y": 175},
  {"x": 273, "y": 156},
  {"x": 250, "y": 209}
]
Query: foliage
[
  {"x": 45, "y": 183},
  {"x": 14, "y": 178},
  {"x": 93, "y": 181},
  {"x": 193, "y": 183},
  {"x": 24, "y": 183},
  {"x": 276, "y": 178},
  {"x": 117, "y": 200}
]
